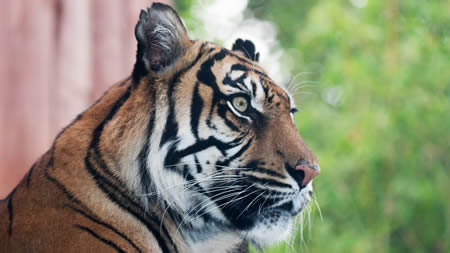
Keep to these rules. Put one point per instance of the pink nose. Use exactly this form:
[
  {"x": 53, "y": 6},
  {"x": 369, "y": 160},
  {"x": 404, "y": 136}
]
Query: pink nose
[{"x": 309, "y": 172}]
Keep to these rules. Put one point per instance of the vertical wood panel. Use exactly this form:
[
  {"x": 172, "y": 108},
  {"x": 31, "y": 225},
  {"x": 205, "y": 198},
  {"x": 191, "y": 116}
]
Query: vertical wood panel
[
  {"x": 56, "y": 58},
  {"x": 71, "y": 88},
  {"x": 107, "y": 24},
  {"x": 25, "y": 114},
  {"x": 4, "y": 70}
]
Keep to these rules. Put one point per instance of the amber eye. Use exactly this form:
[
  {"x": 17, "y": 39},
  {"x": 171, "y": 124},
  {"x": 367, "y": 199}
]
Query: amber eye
[{"x": 240, "y": 103}]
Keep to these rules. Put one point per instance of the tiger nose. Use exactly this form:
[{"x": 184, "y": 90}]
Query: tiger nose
[{"x": 309, "y": 171}]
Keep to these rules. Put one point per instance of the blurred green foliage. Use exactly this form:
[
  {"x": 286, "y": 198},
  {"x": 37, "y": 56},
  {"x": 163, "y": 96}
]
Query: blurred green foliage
[{"x": 377, "y": 115}]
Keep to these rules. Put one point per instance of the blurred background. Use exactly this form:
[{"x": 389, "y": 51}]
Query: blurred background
[{"x": 372, "y": 81}]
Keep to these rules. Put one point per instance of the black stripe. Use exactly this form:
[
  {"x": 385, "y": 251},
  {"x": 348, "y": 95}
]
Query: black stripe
[
  {"x": 144, "y": 173},
  {"x": 270, "y": 98},
  {"x": 174, "y": 156},
  {"x": 242, "y": 67},
  {"x": 238, "y": 154},
  {"x": 274, "y": 197},
  {"x": 105, "y": 225},
  {"x": 266, "y": 181},
  {"x": 30, "y": 173},
  {"x": 253, "y": 165},
  {"x": 171, "y": 129},
  {"x": 234, "y": 83},
  {"x": 265, "y": 171},
  {"x": 197, "y": 165},
  {"x": 58, "y": 185},
  {"x": 98, "y": 130},
  {"x": 98, "y": 158},
  {"x": 10, "y": 211},
  {"x": 196, "y": 110},
  {"x": 96, "y": 236},
  {"x": 253, "y": 88}
]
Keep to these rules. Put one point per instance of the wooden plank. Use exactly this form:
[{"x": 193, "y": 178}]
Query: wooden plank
[
  {"x": 73, "y": 68},
  {"x": 25, "y": 116}
]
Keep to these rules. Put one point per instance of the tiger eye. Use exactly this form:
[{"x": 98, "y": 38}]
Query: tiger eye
[{"x": 240, "y": 103}]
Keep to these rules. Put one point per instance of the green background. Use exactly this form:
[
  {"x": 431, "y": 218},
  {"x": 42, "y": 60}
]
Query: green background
[{"x": 376, "y": 114}]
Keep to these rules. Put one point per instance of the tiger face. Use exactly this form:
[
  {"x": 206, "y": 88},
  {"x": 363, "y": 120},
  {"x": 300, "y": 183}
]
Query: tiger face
[{"x": 224, "y": 152}]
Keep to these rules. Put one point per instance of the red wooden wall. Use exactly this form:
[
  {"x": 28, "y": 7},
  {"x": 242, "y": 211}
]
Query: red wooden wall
[{"x": 56, "y": 58}]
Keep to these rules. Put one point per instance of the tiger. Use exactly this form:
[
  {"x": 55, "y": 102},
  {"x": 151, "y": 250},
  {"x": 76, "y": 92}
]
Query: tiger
[{"x": 195, "y": 151}]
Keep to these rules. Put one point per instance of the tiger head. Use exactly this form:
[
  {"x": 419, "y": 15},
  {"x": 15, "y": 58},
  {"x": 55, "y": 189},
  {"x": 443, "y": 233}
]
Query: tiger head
[{"x": 223, "y": 151}]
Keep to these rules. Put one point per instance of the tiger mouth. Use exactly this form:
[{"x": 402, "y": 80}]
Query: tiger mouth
[{"x": 287, "y": 208}]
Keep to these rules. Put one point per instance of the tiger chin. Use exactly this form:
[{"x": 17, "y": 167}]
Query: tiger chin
[{"x": 196, "y": 151}]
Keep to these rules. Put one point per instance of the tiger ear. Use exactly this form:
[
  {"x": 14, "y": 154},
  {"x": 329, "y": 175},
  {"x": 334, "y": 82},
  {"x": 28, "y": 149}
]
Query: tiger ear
[
  {"x": 246, "y": 48},
  {"x": 161, "y": 38}
]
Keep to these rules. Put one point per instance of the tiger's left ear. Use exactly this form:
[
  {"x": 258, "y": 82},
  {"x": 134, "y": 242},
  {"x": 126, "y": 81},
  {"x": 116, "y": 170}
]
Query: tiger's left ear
[
  {"x": 246, "y": 48},
  {"x": 162, "y": 39}
]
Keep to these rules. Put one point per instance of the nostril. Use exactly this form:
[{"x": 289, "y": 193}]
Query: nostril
[
  {"x": 303, "y": 172},
  {"x": 297, "y": 175}
]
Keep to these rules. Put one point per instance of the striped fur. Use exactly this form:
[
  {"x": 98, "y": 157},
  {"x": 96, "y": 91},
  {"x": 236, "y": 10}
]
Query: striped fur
[{"x": 164, "y": 161}]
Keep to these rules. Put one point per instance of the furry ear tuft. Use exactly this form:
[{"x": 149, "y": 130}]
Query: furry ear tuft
[
  {"x": 246, "y": 48},
  {"x": 161, "y": 38}
]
